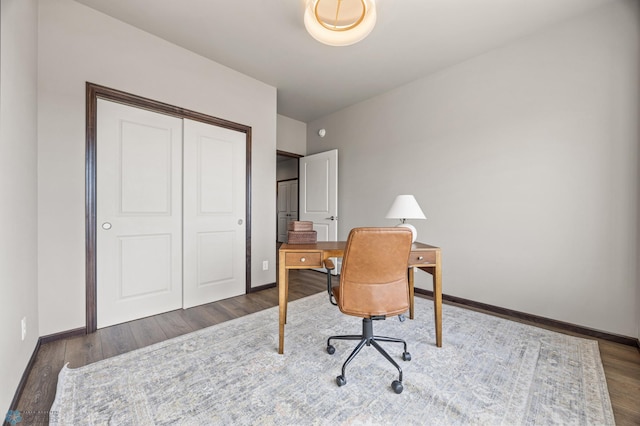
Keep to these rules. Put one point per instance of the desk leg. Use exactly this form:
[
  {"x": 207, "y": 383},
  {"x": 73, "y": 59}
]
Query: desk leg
[
  {"x": 283, "y": 291},
  {"x": 411, "y": 291},
  {"x": 437, "y": 299},
  {"x": 436, "y": 272}
]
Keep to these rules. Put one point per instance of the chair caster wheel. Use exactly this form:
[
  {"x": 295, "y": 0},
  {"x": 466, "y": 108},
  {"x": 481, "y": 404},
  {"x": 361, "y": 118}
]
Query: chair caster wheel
[
  {"x": 406, "y": 356},
  {"x": 341, "y": 381},
  {"x": 331, "y": 350},
  {"x": 397, "y": 387}
]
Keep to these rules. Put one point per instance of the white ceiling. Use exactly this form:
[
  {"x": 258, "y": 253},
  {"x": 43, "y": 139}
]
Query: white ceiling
[{"x": 266, "y": 40}]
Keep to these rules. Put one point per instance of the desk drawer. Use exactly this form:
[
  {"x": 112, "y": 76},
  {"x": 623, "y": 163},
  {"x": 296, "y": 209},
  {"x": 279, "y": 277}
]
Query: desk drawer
[
  {"x": 417, "y": 258},
  {"x": 306, "y": 259}
]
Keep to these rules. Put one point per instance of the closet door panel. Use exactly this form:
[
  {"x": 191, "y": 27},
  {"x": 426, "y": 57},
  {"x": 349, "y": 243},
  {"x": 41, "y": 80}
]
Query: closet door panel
[
  {"x": 139, "y": 213},
  {"x": 214, "y": 213}
]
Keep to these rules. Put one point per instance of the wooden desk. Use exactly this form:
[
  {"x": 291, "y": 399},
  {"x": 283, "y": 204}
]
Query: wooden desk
[{"x": 310, "y": 256}]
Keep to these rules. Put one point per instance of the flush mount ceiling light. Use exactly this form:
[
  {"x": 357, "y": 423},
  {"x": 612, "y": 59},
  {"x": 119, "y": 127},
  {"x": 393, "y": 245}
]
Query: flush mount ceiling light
[{"x": 340, "y": 22}]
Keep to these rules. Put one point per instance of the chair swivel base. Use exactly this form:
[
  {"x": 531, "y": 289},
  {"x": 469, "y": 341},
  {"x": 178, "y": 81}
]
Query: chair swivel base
[{"x": 368, "y": 339}]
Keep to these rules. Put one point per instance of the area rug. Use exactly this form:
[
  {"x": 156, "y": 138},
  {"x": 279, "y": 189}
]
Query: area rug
[{"x": 490, "y": 371}]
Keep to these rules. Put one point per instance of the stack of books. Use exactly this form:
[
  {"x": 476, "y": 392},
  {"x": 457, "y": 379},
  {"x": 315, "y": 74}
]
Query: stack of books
[{"x": 301, "y": 232}]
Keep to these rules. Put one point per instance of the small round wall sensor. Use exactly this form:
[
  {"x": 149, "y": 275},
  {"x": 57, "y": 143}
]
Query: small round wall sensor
[{"x": 322, "y": 132}]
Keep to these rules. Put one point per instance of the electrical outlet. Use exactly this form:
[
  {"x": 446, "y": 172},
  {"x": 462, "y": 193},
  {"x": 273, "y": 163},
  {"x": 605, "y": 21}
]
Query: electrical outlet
[
  {"x": 265, "y": 265},
  {"x": 24, "y": 327}
]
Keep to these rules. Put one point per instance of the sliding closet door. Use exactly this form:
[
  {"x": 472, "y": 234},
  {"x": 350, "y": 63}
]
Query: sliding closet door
[
  {"x": 139, "y": 213},
  {"x": 214, "y": 213}
]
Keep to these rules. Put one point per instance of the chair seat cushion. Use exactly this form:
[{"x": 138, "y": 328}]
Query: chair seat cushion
[{"x": 369, "y": 311}]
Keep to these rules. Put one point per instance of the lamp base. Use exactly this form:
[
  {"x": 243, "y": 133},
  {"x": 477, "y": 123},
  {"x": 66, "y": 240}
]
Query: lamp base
[{"x": 414, "y": 232}]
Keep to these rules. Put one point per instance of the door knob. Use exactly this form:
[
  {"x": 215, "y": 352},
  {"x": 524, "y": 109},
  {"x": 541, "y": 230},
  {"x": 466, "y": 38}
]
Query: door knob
[
  {"x": 333, "y": 218},
  {"x": 106, "y": 226},
  {"x": 240, "y": 221}
]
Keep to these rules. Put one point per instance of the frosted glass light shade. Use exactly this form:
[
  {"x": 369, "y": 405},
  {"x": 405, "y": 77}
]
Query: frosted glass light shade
[
  {"x": 405, "y": 207},
  {"x": 339, "y": 22}
]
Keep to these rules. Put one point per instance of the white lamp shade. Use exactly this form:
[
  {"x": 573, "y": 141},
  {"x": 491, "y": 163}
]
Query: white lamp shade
[{"x": 405, "y": 207}]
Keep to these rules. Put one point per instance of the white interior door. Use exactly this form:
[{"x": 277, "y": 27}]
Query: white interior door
[
  {"x": 283, "y": 211},
  {"x": 214, "y": 213},
  {"x": 139, "y": 213},
  {"x": 287, "y": 207},
  {"x": 293, "y": 201},
  {"x": 319, "y": 193}
]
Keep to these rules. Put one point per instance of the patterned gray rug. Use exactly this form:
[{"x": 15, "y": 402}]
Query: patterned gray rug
[{"x": 489, "y": 371}]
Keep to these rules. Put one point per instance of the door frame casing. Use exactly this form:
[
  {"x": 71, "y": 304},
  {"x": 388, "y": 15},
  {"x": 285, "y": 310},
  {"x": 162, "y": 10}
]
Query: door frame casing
[{"x": 95, "y": 91}]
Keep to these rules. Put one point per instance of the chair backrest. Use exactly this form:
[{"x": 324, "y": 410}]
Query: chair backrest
[{"x": 373, "y": 279}]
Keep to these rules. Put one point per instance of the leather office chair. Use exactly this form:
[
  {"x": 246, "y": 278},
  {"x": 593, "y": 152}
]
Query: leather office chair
[{"x": 373, "y": 285}]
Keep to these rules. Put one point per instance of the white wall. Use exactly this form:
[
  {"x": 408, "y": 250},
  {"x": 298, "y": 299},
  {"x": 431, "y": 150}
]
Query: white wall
[
  {"x": 78, "y": 44},
  {"x": 287, "y": 169},
  {"x": 525, "y": 161},
  {"x": 18, "y": 174},
  {"x": 291, "y": 135},
  {"x": 292, "y": 138}
]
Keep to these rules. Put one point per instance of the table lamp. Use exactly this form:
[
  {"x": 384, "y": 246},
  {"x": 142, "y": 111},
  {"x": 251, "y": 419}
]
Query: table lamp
[{"x": 406, "y": 207}]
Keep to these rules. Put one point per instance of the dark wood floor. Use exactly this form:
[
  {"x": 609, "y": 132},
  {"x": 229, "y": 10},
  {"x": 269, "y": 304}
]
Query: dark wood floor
[{"x": 621, "y": 363}]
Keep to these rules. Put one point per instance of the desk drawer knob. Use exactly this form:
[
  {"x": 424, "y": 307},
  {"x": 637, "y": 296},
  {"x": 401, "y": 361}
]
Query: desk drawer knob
[
  {"x": 420, "y": 257},
  {"x": 302, "y": 259}
]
